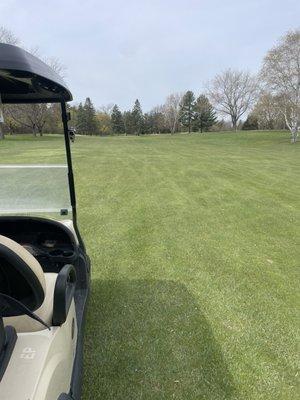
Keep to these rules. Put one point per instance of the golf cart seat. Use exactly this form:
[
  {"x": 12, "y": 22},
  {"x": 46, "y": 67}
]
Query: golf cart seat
[
  {"x": 48, "y": 295},
  {"x": 23, "y": 323}
]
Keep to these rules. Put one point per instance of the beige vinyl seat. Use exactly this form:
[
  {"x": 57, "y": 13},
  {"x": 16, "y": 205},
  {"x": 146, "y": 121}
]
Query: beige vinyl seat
[
  {"x": 23, "y": 323},
  {"x": 44, "y": 285}
]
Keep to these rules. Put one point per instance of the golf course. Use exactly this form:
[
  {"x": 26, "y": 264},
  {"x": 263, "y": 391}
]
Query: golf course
[{"x": 194, "y": 244}]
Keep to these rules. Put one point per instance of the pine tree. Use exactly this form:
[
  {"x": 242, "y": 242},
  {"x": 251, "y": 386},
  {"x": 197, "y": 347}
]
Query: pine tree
[
  {"x": 137, "y": 118},
  {"x": 187, "y": 110},
  {"x": 251, "y": 123},
  {"x": 127, "y": 122},
  {"x": 81, "y": 120},
  {"x": 91, "y": 126},
  {"x": 117, "y": 121},
  {"x": 205, "y": 116}
]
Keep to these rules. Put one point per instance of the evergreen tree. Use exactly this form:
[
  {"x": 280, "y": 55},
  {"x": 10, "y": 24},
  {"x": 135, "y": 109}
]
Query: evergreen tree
[
  {"x": 127, "y": 122},
  {"x": 137, "y": 118},
  {"x": 205, "y": 115},
  {"x": 117, "y": 121},
  {"x": 187, "y": 110},
  {"x": 154, "y": 121},
  {"x": 91, "y": 126},
  {"x": 251, "y": 123},
  {"x": 81, "y": 120}
]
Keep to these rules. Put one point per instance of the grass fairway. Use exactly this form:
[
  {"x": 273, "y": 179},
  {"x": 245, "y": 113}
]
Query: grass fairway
[{"x": 193, "y": 240}]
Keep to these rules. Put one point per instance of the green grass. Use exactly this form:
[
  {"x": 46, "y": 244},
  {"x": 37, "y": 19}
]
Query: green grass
[{"x": 194, "y": 241}]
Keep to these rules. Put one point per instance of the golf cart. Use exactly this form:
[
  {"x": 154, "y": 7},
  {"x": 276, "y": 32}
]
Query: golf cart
[{"x": 44, "y": 268}]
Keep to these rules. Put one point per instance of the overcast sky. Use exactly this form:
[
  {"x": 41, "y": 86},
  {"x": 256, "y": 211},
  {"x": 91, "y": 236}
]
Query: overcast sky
[{"x": 117, "y": 51}]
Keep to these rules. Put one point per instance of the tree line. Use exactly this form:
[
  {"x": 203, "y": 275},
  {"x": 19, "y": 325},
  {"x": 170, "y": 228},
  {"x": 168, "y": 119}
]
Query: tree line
[
  {"x": 231, "y": 100},
  {"x": 179, "y": 113}
]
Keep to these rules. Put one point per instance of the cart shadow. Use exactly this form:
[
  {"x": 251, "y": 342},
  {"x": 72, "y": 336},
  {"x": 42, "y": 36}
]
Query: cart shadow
[{"x": 148, "y": 339}]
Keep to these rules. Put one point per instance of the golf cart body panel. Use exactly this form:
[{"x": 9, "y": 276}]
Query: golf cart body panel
[
  {"x": 38, "y": 218},
  {"x": 41, "y": 364}
]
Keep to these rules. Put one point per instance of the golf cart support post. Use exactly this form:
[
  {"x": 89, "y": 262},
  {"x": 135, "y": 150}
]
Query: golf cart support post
[{"x": 65, "y": 118}]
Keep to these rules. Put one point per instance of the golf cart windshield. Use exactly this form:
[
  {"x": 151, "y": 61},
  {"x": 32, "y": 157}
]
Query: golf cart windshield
[{"x": 36, "y": 190}]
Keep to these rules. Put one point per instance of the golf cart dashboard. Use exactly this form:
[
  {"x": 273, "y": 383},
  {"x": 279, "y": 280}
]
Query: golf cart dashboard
[{"x": 50, "y": 243}]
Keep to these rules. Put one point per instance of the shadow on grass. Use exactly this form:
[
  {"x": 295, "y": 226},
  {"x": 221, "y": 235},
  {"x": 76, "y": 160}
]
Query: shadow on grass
[{"x": 149, "y": 340}]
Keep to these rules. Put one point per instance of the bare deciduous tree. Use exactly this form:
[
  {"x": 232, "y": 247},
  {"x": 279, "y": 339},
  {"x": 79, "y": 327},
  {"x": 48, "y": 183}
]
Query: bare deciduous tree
[
  {"x": 281, "y": 73},
  {"x": 106, "y": 108},
  {"x": 266, "y": 112},
  {"x": 32, "y": 116},
  {"x": 171, "y": 110},
  {"x": 233, "y": 93},
  {"x": 8, "y": 37}
]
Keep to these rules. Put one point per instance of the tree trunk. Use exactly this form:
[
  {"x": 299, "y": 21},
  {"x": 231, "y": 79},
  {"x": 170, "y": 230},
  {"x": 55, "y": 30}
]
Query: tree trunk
[
  {"x": 294, "y": 135},
  {"x": 1, "y": 132},
  {"x": 41, "y": 127},
  {"x": 234, "y": 123},
  {"x": 34, "y": 130},
  {"x": 293, "y": 127},
  {"x": 173, "y": 128}
]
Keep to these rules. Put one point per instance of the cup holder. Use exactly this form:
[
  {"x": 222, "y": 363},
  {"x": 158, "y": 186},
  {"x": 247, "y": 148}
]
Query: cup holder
[
  {"x": 68, "y": 253},
  {"x": 61, "y": 253},
  {"x": 56, "y": 253}
]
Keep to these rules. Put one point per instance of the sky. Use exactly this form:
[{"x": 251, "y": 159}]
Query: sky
[{"x": 117, "y": 51}]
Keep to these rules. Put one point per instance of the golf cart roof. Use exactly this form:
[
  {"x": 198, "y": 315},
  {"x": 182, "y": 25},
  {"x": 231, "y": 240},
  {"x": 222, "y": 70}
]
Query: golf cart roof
[{"x": 26, "y": 79}]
